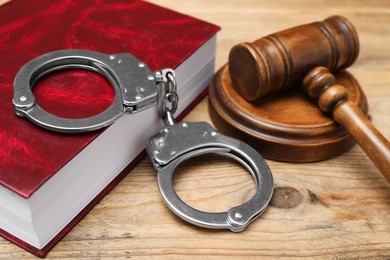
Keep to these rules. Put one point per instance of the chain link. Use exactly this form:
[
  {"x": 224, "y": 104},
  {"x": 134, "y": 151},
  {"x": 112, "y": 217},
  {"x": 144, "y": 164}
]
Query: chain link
[{"x": 171, "y": 99}]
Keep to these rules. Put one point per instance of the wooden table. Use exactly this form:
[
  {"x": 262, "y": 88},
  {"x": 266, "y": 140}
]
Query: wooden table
[{"x": 338, "y": 208}]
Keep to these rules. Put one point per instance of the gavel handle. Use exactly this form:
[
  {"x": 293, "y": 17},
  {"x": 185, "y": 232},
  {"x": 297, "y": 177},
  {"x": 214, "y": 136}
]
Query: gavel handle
[
  {"x": 373, "y": 143},
  {"x": 320, "y": 83}
]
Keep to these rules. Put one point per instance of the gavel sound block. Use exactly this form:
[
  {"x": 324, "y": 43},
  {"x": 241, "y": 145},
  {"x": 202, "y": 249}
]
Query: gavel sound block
[
  {"x": 280, "y": 61},
  {"x": 285, "y": 126}
]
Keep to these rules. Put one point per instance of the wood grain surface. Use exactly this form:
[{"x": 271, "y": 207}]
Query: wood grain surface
[{"x": 334, "y": 209}]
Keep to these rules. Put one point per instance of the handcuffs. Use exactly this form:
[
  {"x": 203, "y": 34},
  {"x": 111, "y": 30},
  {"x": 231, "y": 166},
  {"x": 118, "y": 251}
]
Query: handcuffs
[{"x": 136, "y": 88}]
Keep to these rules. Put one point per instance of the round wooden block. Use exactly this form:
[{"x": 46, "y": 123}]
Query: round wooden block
[{"x": 286, "y": 125}]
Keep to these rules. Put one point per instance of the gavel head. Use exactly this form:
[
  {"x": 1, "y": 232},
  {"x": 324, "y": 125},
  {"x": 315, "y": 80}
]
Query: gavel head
[{"x": 282, "y": 59}]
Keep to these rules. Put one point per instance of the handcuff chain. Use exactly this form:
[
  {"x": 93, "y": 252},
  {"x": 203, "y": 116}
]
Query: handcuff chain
[{"x": 171, "y": 99}]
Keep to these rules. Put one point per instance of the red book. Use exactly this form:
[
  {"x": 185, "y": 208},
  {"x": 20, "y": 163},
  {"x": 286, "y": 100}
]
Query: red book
[{"x": 49, "y": 180}]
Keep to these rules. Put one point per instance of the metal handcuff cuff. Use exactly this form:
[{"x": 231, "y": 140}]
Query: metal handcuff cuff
[{"x": 135, "y": 87}]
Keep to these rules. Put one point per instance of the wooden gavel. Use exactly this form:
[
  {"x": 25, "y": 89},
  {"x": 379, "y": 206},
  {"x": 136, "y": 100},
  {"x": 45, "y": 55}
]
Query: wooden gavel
[{"x": 308, "y": 53}]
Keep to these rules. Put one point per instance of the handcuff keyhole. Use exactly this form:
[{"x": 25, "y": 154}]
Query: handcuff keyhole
[
  {"x": 201, "y": 184},
  {"x": 74, "y": 93}
]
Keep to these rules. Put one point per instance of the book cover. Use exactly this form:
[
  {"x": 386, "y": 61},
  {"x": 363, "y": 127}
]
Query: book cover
[{"x": 29, "y": 155}]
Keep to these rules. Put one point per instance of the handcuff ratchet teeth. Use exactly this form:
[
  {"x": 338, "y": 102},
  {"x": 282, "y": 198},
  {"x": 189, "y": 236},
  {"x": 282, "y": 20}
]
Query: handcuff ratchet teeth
[{"x": 135, "y": 87}]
